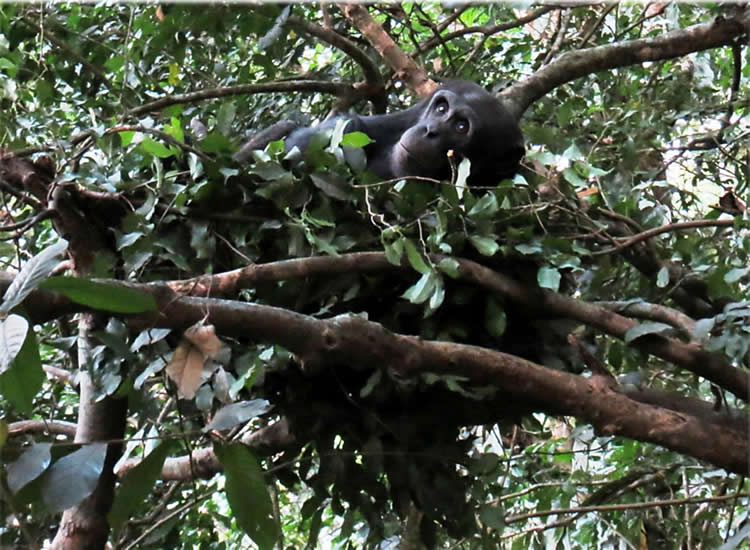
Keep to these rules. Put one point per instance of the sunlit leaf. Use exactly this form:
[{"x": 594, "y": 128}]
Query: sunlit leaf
[
  {"x": 156, "y": 148},
  {"x": 662, "y": 277},
  {"x": 13, "y": 330},
  {"x": 548, "y": 277},
  {"x": 485, "y": 245},
  {"x": 355, "y": 139},
  {"x": 32, "y": 274}
]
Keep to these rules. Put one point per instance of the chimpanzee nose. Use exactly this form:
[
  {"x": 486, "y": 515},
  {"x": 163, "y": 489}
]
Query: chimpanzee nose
[{"x": 430, "y": 129}]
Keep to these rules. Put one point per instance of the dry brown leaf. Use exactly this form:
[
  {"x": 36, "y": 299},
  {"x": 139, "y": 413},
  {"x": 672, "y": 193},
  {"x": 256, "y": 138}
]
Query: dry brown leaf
[
  {"x": 204, "y": 338},
  {"x": 185, "y": 369}
]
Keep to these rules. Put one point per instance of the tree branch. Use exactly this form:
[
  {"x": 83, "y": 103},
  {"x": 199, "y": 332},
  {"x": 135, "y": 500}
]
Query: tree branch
[
  {"x": 711, "y": 366},
  {"x": 575, "y": 64},
  {"x": 338, "y": 342},
  {"x": 308, "y": 86},
  {"x": 620, "y": 507},
  {"x": 403, "y": 65},
  {"x": 330, "y": 36},
  {"x": 625, "y": 242},
  {"x": 487, "y": 30}
]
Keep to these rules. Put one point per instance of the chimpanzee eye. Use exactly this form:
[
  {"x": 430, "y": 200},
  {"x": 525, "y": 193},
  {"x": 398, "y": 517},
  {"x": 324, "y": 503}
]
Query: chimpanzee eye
[
  {"x": 462, "y": 126},
  {"x": 441, "y": 107}
]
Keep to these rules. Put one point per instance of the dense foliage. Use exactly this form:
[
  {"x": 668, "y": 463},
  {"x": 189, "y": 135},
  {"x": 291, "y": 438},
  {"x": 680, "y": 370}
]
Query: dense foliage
[{"x": 117, "y": 128}]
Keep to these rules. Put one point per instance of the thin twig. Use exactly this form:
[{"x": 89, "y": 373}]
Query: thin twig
[{"x": 619, "y": 507}]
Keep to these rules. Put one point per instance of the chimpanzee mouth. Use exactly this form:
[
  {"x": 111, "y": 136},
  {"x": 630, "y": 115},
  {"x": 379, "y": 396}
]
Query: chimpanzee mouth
[{"x": 408, "y": 153}]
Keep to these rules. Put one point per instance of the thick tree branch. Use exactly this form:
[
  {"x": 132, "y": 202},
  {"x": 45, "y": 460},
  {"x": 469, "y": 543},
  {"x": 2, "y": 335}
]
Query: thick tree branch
[
  {"x": 348, "y": 341},
  {"x": 575, "y": 64},
  {"x": 652, "y": 312},
  {"x": 711, "y": 366},
  {"x": 203, "y": 463},
  {"x": 404, "y": 66},
  {"x": 42, "y": 427},
  {"x": 321, "y": 344},
  {"x": 84, "y": 525},
  {"x": 330, "y": 36},
  {"x": 685, "y": 287}
]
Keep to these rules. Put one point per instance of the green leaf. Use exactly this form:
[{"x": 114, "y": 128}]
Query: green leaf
[
  {"x": 136, "y": 485},
  {"x": 662, "y": 277},
  {"x": 438, "y": 295},
  {"x": 237, "y": 413},
  {"x": 484, "y": 463},
  {"x": 332, "y": 185},
  {"x": 703, "y": 328},
  {"x": 13, "y": 332},
  {"x": 338, "y": 132},
  {"x": 450, "y": 267},
  {"x": 174, "y": 74},
  {"x": 572, "y": 177},
  {"x": 32, "y": 274},
  {"x": 644, "y": 329},
  {"x": 153, "y": 147},
  {"x": 464, "y": 169},
  {"x": 73, "y": 477},
  {"x": 528, "y": 249},
  {"x": 415, "y": 258},
  {"x": 29, "y": 466},
  {"x": 103, "y": 296},
  {"x": 548, "y": 277},
  {"x": 23, "y": 380},
  {"x": 126, "y": 137},
  {"x": 272, "y": 171},
  {"x": 114, "y": 63},
  {"x": 225, "y": 117},
  {"x": 573, "y": 153},
  {"x": 174, "y": 129},
  {"x": 495, "y": 319},
  {"x": 356, "y": 139},
  {"x": 485, "y": 207},
  {"x": 8, "y": 65},
  {"x": 247, "y": 494},
  {"x": 485, "y": 245},
  {"x": 492, "y": 516},
  {"x": 394, "y": 251},
  {"x": 420, "y": 291},
  {"x": 202, "y": 240},
  {"x": 734, "y": 275}
]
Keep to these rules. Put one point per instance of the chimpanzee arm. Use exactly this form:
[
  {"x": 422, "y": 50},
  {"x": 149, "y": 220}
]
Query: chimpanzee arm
[{"x": 276, "y": 131}]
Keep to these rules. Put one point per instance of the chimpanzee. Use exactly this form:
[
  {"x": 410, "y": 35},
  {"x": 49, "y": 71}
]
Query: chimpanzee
[{"x": 460, "y": 116}]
